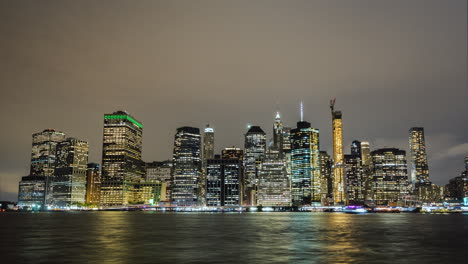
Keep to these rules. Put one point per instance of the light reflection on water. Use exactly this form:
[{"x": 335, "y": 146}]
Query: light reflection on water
[{"x": 150, "y": 237}]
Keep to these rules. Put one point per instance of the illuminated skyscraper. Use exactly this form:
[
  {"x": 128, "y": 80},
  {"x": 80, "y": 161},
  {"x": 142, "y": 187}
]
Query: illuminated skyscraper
[
  {"x": 390, "y": 176},
  {"x": 232, "y": 153},
  {"x": 305, "y": 164},
  {"x": 273, "y": 183},
  {"x": 365, "y": 153},
  {"x": 278, "y": 133},
  {"x": 418, "y": 159},
  {"x": 122, "y": 166},
  {"x": 353, "y": 178},
  {"x": 207, "y": 153},
  {"x": 366, "y": 162},
  {"x": 339, "y": 196},
  {"x": 93, "y": 184},
  {"x": 208, "y": 143},
  {"x": 286, "y": 140},
  {"x": 43, "y": 155},
  {"x": 69, "y": 182},
  {"x": 255, "y": 147},
  {"x": 187, "y": 167},
  {"x": 224, "y": 182},
  {"x": 326, "y": 182}
]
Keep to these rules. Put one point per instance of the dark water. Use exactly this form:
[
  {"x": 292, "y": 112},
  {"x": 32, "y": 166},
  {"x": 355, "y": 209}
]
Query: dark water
[{"x": 146, "y": 237}]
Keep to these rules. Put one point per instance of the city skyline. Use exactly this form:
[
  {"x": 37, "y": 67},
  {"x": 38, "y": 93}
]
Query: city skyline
[{"x": 191, "y": 65}]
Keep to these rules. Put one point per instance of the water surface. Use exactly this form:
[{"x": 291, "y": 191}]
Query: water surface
[{"x": 151, "y": 237}]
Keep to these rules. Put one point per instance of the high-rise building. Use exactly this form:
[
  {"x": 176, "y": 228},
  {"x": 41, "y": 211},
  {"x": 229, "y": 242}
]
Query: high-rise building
[
  {"x": 160, "y": 171},
  {"x": 187, "y": 167},
  {"x": 326, "y": 176},
  {"x": 273, "y": 187},
  {"x": 93, "y": 184},
  {"x": 389, "y": 176},
  {"x": 224, "y": 182},
  {"x": 255, "y": 147},
  {"x": 305, "y": 164},
  {"x": 356, "y": 148},
  {"x": 232, "y": 153},
  {"x": 365, "y": 153},
  {"x": 286, "y": 140},
  {"x": 208, "y": 143},
  {"x": 122, "y": 166},
  {"x": 43, "y": 155},
  {"x": 339, "y": 192},
  {"x": 69, "y": 182},
  {"x": 353, "y": 178},
  {"x": 32, "y": 192},
  {"x": 278, "y": 133},
  {"x": 43, "y": 162},
  {"x": 418, "y": 159}
]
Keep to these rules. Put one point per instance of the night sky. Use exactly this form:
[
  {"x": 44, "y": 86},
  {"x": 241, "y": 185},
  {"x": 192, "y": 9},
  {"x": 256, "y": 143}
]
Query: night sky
[{"x": 391, "y": 65}]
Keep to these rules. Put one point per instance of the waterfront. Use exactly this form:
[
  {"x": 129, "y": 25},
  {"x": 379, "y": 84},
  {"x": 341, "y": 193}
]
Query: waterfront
[{"x": 152, "y": 237}]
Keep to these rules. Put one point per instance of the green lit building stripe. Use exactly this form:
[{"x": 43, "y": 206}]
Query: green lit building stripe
[{"x": 124, "y": 117}]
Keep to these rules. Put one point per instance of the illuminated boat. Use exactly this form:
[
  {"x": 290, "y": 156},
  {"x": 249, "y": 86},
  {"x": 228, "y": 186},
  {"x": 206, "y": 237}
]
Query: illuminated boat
[{"x": 354, "y": 209}]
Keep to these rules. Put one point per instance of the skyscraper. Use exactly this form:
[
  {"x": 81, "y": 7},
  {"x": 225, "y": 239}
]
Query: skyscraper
[
  {"x": 208, "y": 143},
  {"x": 93, "y": 184},
  {"x": 366, "y": 162},
  {"x": 390, "y": 176},
  {"x": 255, "y": 147},
  {"x": 122, "y": 166},
  {"x": 273, "y": 182},
  {"x": 353, "y": 178},
  {"x": 278, "y": 133},
  {"x": 69, "y": 182},
  {"x": 43, "y": 155},
  {"x": 187, "y": 167},
  {"x": 339, "y": 196},
  {"x": 305, "y": 164},
  {"x": 224, "y": 182},
  {"x": 418, "y": 159},
  {"x": 326, "y": 182}
]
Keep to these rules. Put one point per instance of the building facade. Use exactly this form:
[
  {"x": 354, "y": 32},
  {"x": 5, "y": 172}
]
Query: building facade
[
  {"x": 273, "y": 182},
  {"x": 122, "y": 166},
  {"x": 255, "y": 147},
  {"x": 93, "y": 184},
  {"x": 187, "y": 167},
  {"x": 389, "y": 176},
  {"x": 69, "y": 181},
  {"x": 160, "y": 171},
  {"x": 224, "y": 182},
  {"x": 339, "y": 192},
  {"x": 305, "y": 165},
  {"x": 419, "y": 169}
]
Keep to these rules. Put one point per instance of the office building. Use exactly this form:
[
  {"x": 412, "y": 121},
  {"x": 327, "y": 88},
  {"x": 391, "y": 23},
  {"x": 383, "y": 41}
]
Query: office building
[
  {"x": 93, "y": 184},
  {"x": 326, "y": 177},
  {"x": 224, "y": 182},
  {"x": 232, "y": 153},
  {"x": 419, "y": 170},
  {"x": 69, "y": 181},
  {"x": 305, "y": 165},
  {"x": 389, "y": 176},
  {"x": 255, "y": 147},
  {"x": 122, "y": 166},
  {"x": 187, "y": 167},
  {"x": 43, "y": 155},
  {"x": 32, "y": 192},
  {"x": 273, "y": 188},
  {"x": 160, "y": 171}
]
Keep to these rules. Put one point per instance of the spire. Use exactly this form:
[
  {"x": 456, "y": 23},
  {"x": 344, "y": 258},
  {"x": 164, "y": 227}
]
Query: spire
[
  {"x": 302, "y": 112},
  {"x": 278, "y": 115}
]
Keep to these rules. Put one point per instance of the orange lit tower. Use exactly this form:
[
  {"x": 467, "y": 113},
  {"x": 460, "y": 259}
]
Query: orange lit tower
[{"x": 338, "y": 157}]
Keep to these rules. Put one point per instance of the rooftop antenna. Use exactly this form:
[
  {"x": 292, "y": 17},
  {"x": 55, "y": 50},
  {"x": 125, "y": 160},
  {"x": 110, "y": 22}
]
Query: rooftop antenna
[{"x": 302, "y": 112}]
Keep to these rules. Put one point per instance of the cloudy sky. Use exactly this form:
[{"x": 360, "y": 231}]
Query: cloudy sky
[{"x": 391, "y": 65}]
